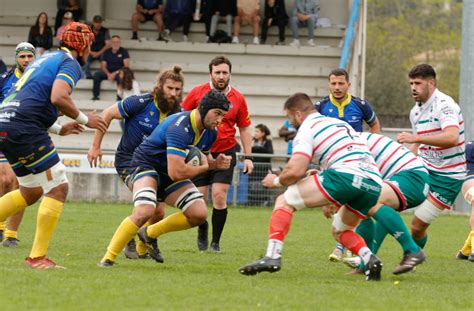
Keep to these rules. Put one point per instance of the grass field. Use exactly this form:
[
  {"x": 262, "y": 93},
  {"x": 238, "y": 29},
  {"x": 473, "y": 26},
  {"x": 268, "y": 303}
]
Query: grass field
[{"x": 189, "y": 280}]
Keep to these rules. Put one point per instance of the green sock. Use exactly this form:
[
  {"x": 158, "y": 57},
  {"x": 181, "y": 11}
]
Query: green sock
[
  {"x": 421, "y": 243},
  {"x": 366, "y": 230},
  {"x": 379, "y": 236},
  {"x": 393, "y": 223}
]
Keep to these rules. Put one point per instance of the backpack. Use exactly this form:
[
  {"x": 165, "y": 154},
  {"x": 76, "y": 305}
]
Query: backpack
[{"x": 220, "y": 36}]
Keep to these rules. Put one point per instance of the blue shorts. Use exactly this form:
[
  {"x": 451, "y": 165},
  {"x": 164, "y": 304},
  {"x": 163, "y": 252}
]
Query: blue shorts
[
  {"x": 166, "y": 185},
  {"x": 124, "y": 168},
  {"x": 29, "y": 153}
]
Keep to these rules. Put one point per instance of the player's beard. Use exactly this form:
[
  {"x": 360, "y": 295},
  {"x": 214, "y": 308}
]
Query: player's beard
[
  {"x": 215, "y": 84},
  {"x": 171, "y": 105}
]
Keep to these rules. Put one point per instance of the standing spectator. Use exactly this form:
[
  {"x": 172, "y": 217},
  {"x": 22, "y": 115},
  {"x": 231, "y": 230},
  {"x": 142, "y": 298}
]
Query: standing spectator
[
  {"x": 64, "y": 6},
  {"x": 275, "y": 15},
  {"x": 220, "y": 71},
  {"x": 111, "y": 62},
  {"x": 288, "y": 132},
  {"x": 248, "y": 13},
  {"x": 305, "y": 14},
  {"x": 41, "y": 97},
  {"x": 178, "y": 13},
  {"x": 438, "y": 139},
  {"x": 262, "y": 143},
  {"x": 127, "y": 85},
  {"x": 148, "y": 10},
  {"x": 100, "y": 45},
  {"x": 222, "y": 9},
  {"x": 41, "y": 35},
  {"x": 67, "y": 19}
]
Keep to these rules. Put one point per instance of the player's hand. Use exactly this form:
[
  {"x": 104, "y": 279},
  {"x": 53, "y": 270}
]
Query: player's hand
[
  {"x": 223, "y": 161},
  {"x": 405, "y": 137},
  {"x": 204, "y": 162},
  {"x": 329, "y": 210},
  {"x": 248, "y": 166},
  {"x": 96, "y": 122},
  {"x": 71, "y": 127},
  {"x": 94, "y": 156},
  {"x": 267, "y": 182}
]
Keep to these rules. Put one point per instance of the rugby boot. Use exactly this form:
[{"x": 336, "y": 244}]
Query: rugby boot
[
  {"x": 152, "y": 245},
  {"x": 263, "y": 264},
  {"x": 373, "y": 269},
  {"x": 409, "y": 261}
]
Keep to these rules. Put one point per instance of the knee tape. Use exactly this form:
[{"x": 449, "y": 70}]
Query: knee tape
[
  {"x": 48, "y": 179},
  {"x": 338, "y": 225},
  {"x": 188, "y": 197},
  {"x": 469, "y": 195},
  {"x": 146, "y": 195},
  {"x": 293, "y": 197},
  {"x": 427, "y": 212}
]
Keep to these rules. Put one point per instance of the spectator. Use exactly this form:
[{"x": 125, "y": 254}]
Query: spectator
[
  {"x": 178, "y": 13},
  {"x": 111, "y": 62},
  {"x": 99, "y": 46},
  {"x": 148, "y": 10},
  {"x": 127, "y": 85},
  {"x": 3, "y": 67},
  {"x": 262, "y": 143},
  {"x": 305, "y": 14},
  {"x": 67, "y": 19},
  {"x": 41, "y": 35},
  {"x": 67, "y": 6},
  {"x": 202, "y": 13},
  {"x": 275, "y": 15},
  {"x": 248, "y": 13},
  {"x": 220, "y": 10},
  {"x": 288, "y": 132}
]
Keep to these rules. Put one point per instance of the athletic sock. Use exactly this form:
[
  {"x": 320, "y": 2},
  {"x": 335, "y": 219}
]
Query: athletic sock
[
  {"x": 379, "y": 236},
  {"x": 10, "y": 234},
  {"x": 11, "y": 203},
  {"x": 356, "y": 244},
  {"x": 366, "y": 230},
  {"x": 274, "y": 249},
  {"x": 393, "y": 223},
  {"x": 280, "y": 223},
  {"x": 467, "y": 247},
  {"x": 472, "y": 241},
  {"x": 219, "y": 217},
  {"x": 174, "y": 222},
  {"x": 422, "y": 242},
  {"x": 2, "y": 225},
  {"x": 124, "y": 233},
  {"x": 47, "y": 219}
]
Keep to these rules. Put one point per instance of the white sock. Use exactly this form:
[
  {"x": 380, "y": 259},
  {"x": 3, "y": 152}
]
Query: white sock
[
  {"x": 274, "y": 249},
  {"x": 365, "y": 253}
]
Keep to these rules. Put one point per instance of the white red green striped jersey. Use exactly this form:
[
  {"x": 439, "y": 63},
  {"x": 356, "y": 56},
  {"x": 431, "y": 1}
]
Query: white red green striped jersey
[
  {"x": 390, "y": 156},
  {"x": 431, "y": 118},
  {"x": 333, "y": 143}
]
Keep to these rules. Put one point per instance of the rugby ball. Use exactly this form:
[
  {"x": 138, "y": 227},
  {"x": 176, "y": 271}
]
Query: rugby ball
[{"x": 193, "y": 156}]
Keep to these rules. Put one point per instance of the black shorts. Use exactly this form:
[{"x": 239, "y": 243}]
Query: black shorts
[
  {"x": 148, "y": 17},
  {"x": 219, "y": 176}
]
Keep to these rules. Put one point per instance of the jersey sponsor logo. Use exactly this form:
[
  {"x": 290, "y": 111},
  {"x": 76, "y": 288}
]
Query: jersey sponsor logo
[
  {"x": 10, "y": 104},
  {"x": 5, "y": 116},
  {"x": 432, "y": 156}
]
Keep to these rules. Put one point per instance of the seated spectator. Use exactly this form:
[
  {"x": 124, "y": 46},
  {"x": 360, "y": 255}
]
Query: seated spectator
[
  {"x": 275, "y": 15},
  {"x": 148, "y": 10},
  {"x": 248, "y": 13},
  {"x": 178, "y": 13},
  {"x": 305, "y": 14},
  {"x": 64, "y": 6},
  {"x": 41, "y": 35},
  {"x": 222, "y": 10},
  {"x": 262, "y": 143},
  {"x": 99, "y": 46},
  {"x": 127, "y": 85},
  {"x": 111, "y": 62},
  {"x": 288, "y": 132},
  {"x": 67, "y": 19}
]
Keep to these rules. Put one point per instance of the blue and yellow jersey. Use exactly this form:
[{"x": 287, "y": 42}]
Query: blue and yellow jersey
[
  {"x": 7, "y": 80},
  {"x": 172, "y": 136},
  {"x": 353, "y": 110},
  {"x": 27, "y": 107},
  {"x": 141, "y": 115}
]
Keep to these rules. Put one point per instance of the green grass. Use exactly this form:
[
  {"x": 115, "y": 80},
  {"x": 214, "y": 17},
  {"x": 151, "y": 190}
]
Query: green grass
[{"x": 189, "y": 280}]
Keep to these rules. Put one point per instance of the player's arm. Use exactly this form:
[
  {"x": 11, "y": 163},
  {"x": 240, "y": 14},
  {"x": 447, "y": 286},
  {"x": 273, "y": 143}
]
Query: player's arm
[
  {"x": 448, "y": 138},
  {"x": 179, "y": 170},
  {"x": 375, "y": 126},
  {"x": 94, "y": 155},
  {"x": 286, "y": 133},
  {"x": 246, "y": 138},
  {"x": 294, "y": 170}
]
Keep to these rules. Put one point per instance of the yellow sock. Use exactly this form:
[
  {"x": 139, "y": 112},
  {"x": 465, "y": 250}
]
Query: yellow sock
[
  {"x": 48, "y": 215},
  {"x": 2, "y": 225},
  {"x": 124, "y": 233},
  {"x": 10, "y": 204},
  {"x": 10, "y": 234},
  {"x": 174, "y": 222},
  {"x": 467, "y": 247},
  {"x": 142, "y": 249}
]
